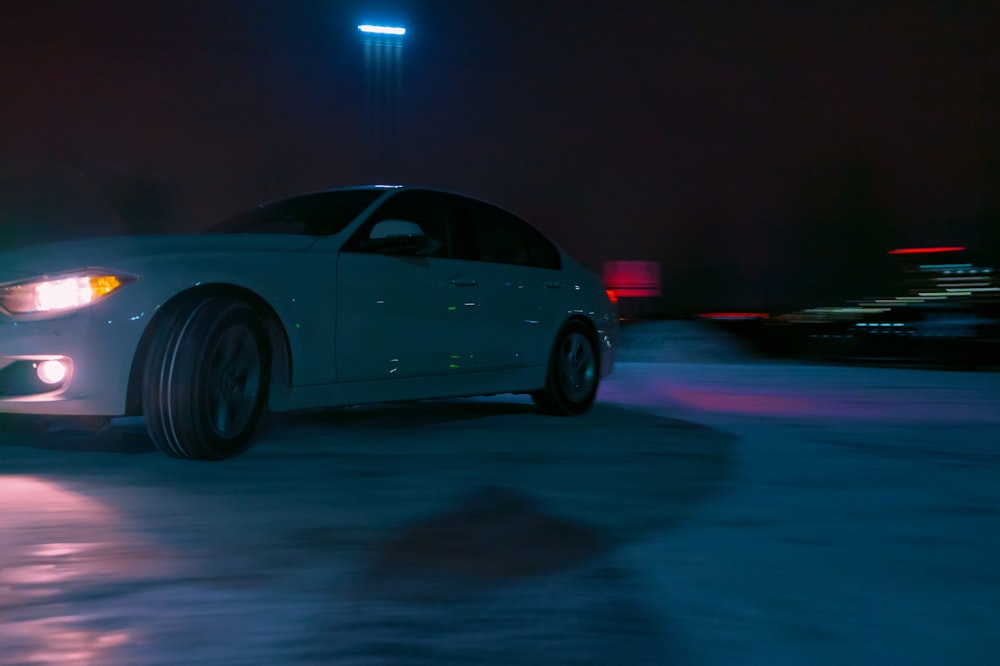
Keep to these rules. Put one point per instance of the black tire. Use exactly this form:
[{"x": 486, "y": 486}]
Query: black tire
[
  {"x": 205, "y": 380},
  {"x": 573, "y": 373}
]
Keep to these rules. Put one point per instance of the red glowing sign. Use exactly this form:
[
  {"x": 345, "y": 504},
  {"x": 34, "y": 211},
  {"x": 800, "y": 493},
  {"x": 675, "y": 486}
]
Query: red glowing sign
[{"x": 632, "y": 279}]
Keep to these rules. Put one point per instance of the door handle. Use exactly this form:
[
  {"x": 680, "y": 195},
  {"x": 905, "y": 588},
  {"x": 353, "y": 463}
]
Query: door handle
[
  {"x": 464, "y": 281},
  {"x": 552, "y": 284}
]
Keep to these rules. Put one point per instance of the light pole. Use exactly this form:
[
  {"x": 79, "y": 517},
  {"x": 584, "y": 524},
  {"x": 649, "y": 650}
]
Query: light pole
[{"x": 383, "y": 47}]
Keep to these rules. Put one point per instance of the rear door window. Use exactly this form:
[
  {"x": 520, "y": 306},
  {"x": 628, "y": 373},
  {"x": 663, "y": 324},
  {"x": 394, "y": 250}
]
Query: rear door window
[{"x": 502, "y": 237}]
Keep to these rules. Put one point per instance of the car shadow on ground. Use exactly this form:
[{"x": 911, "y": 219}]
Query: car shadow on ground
[
  {"x": 519, "y": 549},
  {"x": 621, "y": 470},
  {"x": 418, "y": 415},
  {"x": 126, "y": 436},
  {"x": 405, "y": 415}
]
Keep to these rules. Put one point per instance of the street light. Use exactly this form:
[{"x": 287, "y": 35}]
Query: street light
[{"x": 383, "y": 45}]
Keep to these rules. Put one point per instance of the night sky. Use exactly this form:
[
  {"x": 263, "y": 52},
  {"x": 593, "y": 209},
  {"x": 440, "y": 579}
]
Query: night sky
[{"x": 767, "y": 153}]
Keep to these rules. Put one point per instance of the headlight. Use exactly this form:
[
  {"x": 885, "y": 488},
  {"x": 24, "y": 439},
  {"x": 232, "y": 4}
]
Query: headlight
[{"x": 60, "y": 292}]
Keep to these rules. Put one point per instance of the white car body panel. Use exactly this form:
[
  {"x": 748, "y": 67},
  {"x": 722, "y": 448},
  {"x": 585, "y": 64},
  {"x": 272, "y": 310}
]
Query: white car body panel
[
  {"x": 342, "y": 339},
  {"x": 404, "y": 317},
  {"x": 524, "y": 313}
]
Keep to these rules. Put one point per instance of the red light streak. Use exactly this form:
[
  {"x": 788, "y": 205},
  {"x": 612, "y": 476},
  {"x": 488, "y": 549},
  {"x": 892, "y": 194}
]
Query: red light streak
[
  {"x": 927, "y": 250},
  {"x": 734, "y": 315}
]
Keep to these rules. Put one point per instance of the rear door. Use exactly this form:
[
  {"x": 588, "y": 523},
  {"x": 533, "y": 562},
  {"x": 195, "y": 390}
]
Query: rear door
[{"x": 523, "y": 290}]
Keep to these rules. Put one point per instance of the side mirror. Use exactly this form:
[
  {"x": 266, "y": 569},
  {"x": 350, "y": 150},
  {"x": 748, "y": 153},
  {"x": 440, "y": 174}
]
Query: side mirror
[
  {"x": 399, "y": 237},
  {"x": 394, "y": 229}
]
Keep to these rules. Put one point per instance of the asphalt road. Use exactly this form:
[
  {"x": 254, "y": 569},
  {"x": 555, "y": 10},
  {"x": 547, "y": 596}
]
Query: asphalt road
[{"x": 701, "y": 514}]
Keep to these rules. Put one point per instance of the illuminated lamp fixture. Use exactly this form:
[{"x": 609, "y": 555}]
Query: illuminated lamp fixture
[
  {"x": 52, "y": 371},
  {"x": 382, "y": 30}
]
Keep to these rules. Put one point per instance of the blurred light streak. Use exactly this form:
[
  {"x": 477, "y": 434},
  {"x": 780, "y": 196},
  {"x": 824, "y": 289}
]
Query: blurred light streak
[
  {"x": 734, "y": 315},
  {"x": 927, "y": 250},
  {"x": 943, "y": 267}
]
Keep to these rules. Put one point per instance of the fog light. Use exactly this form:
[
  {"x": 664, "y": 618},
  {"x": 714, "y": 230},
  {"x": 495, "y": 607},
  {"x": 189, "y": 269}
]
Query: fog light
[{"x": 52, "y": 371}]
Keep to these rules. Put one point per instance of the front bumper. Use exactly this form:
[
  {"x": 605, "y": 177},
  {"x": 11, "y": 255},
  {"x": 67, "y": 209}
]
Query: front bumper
[{"x": 96, "y": 347}]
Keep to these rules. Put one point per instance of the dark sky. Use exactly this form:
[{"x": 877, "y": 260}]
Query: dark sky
[{"x": 767, "y": 153}]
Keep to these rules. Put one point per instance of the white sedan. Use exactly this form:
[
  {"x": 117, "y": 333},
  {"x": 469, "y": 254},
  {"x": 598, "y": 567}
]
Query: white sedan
[{"x": 339, "y": 297}]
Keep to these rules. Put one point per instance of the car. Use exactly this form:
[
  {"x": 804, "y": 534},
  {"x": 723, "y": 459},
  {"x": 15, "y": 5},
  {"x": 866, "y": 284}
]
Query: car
[{"x": 330, "y": 298}]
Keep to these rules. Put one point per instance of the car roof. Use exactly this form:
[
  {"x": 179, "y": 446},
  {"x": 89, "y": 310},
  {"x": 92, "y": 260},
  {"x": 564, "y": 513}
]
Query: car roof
[{"x": 387, "y": 188}]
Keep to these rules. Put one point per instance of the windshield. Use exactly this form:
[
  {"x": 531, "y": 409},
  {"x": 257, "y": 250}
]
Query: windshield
[{"x": 318, "y": 214}]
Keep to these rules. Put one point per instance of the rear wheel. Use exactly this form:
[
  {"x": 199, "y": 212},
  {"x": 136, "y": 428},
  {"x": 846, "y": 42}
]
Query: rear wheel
[
  {"x": 573, "y": 375},
  {"x": 205, "y": 380}
]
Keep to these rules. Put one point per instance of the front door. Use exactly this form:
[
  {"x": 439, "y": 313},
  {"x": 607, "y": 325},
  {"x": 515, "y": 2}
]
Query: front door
[{"x": 411, "y": 312}]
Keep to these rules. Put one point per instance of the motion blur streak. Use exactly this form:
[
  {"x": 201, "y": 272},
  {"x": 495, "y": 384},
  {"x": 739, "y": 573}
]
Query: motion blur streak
[
  {"x": 854, "y": 403},
  {"x": 53, "y": 539},
  {"x": 927, "y": 250},
  {"x": 739, "y": 402},
  {"x": 786, "y": 391}
]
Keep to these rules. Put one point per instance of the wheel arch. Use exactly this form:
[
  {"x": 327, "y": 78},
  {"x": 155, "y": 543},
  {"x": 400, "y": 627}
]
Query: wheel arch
[
  {"x": 591, "y": 328},
  {"x": 277, "y": 337},
  {"x": 569, "y": 388}
]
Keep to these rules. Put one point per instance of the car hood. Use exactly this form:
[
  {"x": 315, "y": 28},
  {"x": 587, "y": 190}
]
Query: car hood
[{"x": 106, "y": 252}]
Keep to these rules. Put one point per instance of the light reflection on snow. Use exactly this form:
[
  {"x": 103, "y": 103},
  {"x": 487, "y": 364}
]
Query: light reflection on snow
[
  {"x": 54, "y": 539},
  {"x": 20, "y": 494},
  {"x": 64, "y": 644},
  {"x": 56, "y": 549}
]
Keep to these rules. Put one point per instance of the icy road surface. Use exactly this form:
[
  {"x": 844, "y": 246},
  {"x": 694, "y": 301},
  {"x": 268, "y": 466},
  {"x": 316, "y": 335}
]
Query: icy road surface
[{"x": 723, "y": 513}]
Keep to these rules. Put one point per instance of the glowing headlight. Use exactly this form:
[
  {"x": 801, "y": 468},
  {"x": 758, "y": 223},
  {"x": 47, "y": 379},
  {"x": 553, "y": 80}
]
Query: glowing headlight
[{"x": 65, "y": 292}]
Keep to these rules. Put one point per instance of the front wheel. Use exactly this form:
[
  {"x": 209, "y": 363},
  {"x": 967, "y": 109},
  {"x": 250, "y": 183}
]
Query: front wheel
[
  {"x": 205, "y": 380},
  {"x": 573, "y": 375}
]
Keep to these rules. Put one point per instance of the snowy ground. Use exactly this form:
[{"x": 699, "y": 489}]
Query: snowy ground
[{"x": 712, "y": 509}]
